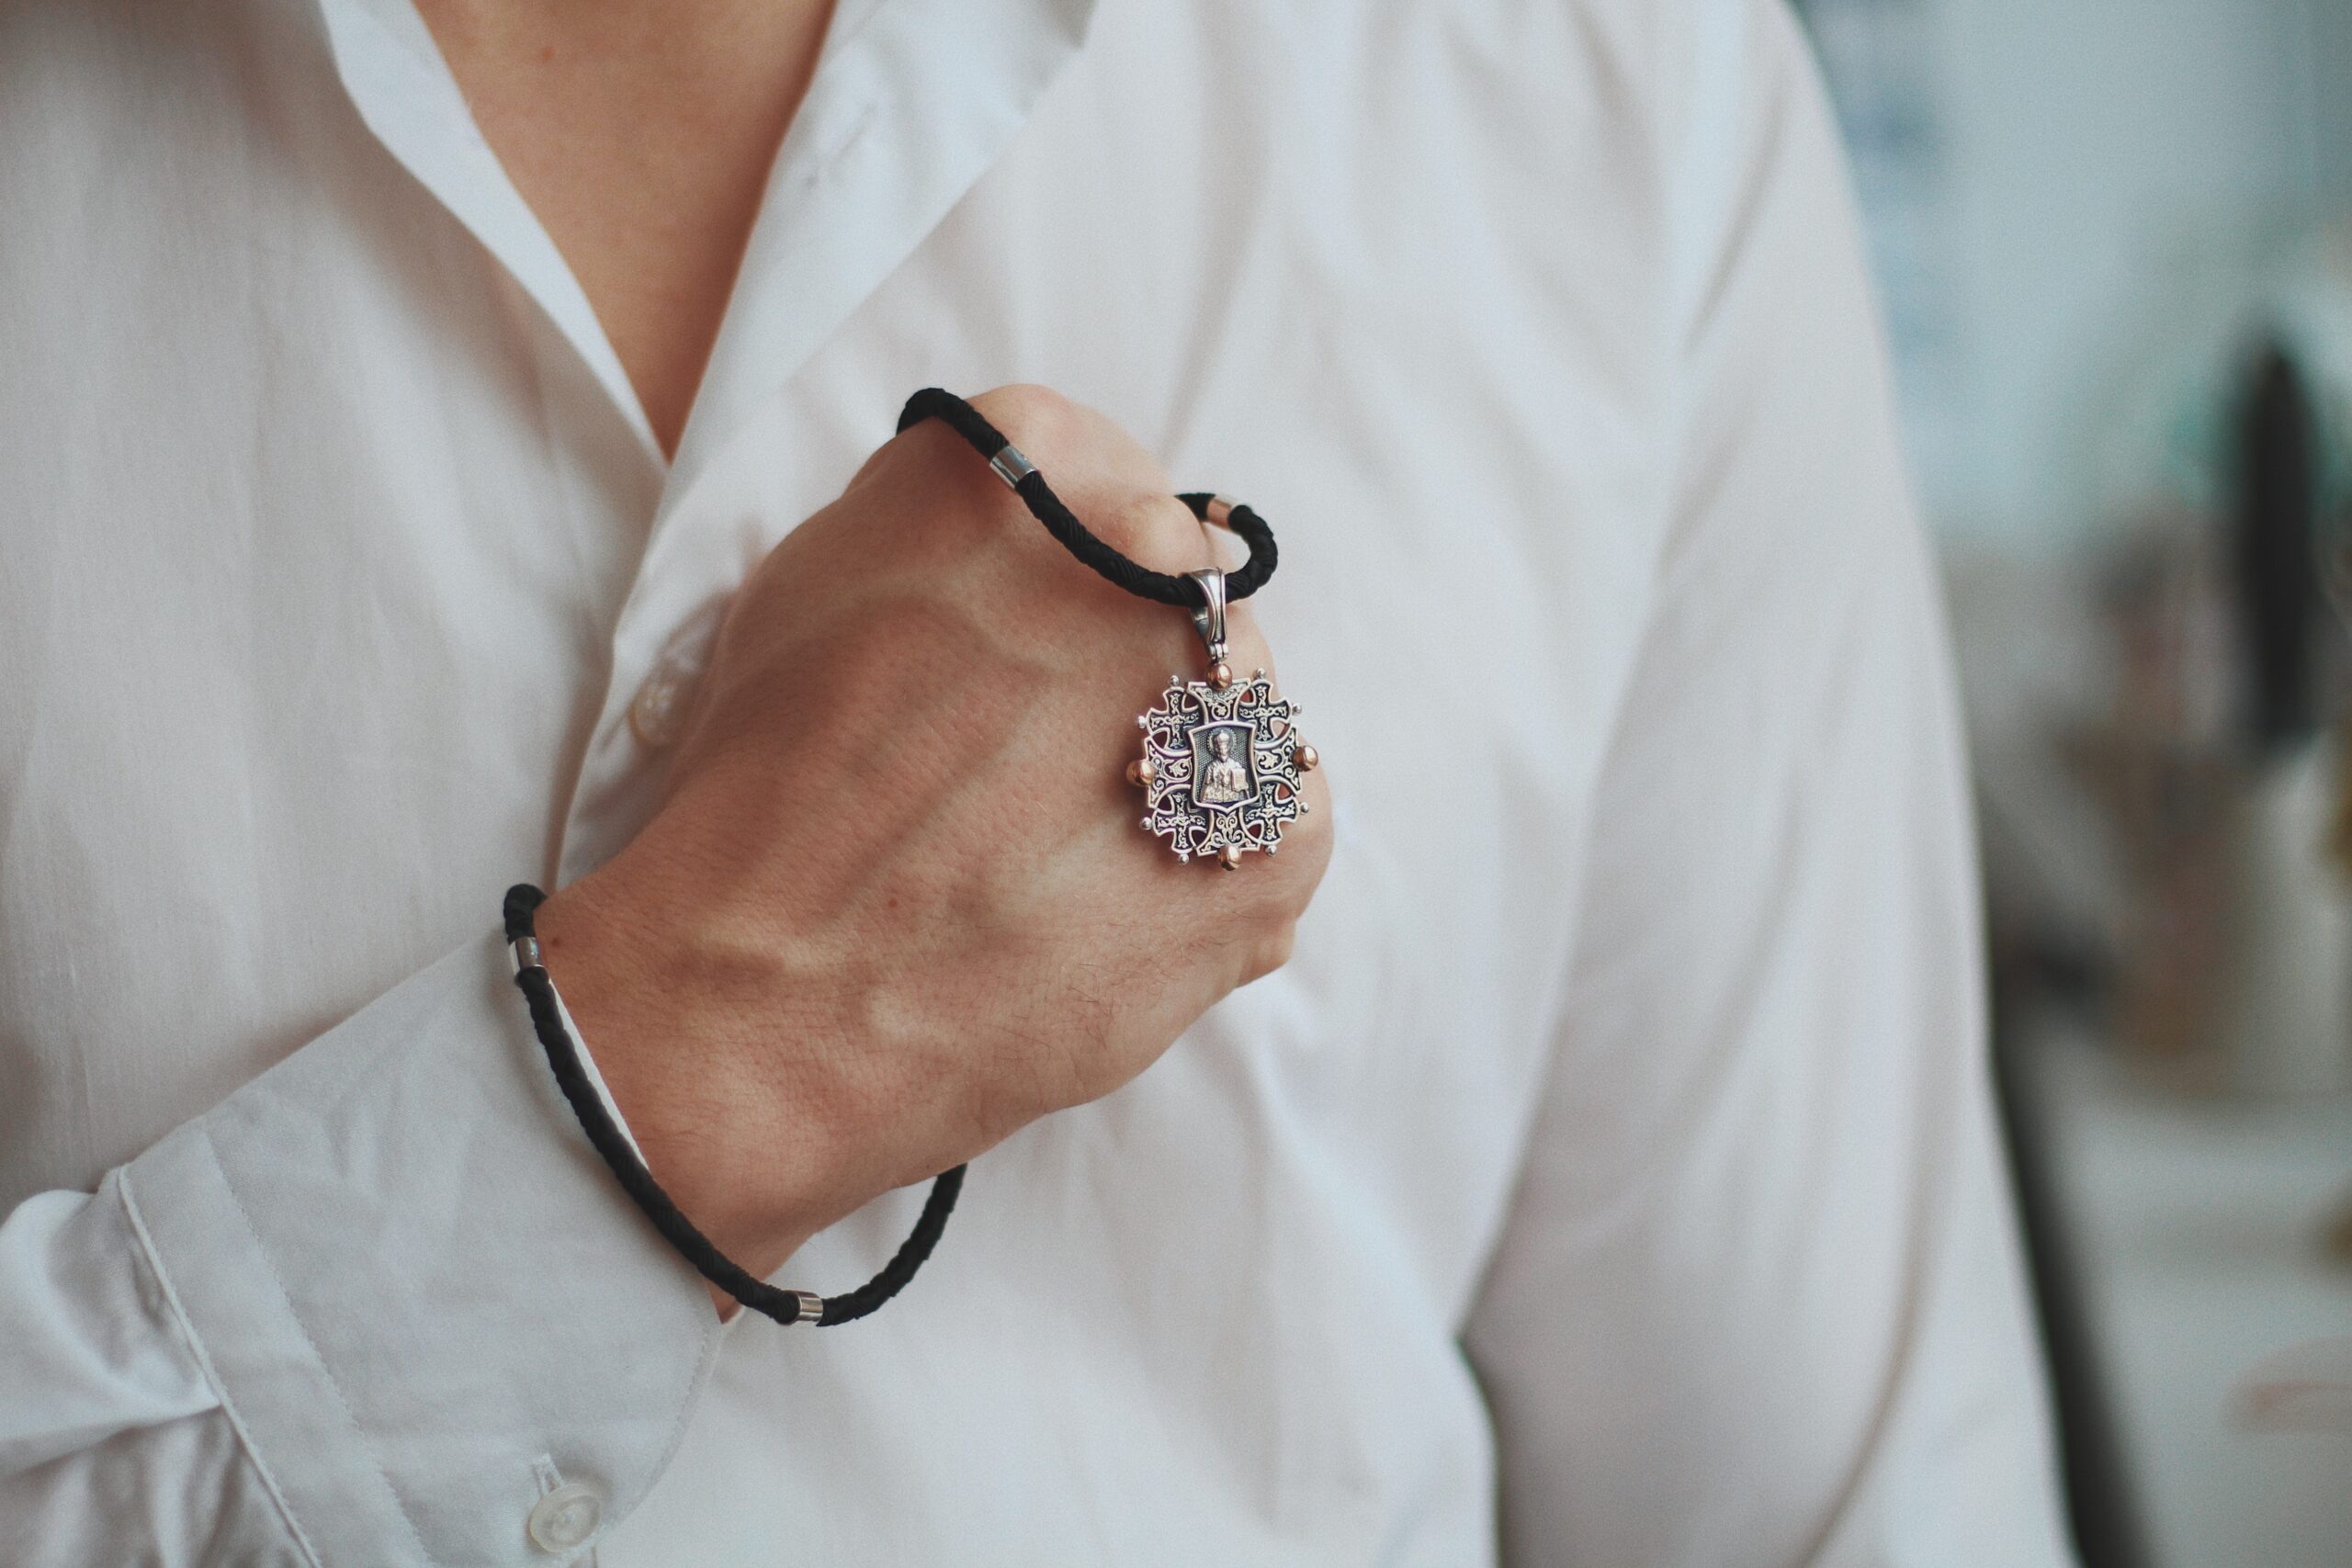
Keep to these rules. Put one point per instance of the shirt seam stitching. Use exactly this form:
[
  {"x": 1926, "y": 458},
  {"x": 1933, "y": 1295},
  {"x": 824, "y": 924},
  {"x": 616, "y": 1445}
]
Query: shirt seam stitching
[
  {"x": 326, "y": 1372},
  {"x": 706, "y": 1362},
  {"x": 152, "y": 1258},
  {"x": 1558, "y": 1000}
]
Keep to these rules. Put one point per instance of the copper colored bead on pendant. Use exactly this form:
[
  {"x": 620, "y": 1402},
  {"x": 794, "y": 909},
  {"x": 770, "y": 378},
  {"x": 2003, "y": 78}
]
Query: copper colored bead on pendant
[
  {"x": 1220, "y": 674},
  {"x": 1229, "y": 857},
  {"x": 1306, "y": 757},
  {"x": 1139, "y": 771}
]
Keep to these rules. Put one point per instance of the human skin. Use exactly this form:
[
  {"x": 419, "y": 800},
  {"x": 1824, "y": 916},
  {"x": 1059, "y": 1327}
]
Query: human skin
[{"x": 641, "y": 133}]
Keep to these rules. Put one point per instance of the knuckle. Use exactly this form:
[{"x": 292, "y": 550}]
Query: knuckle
[
  {"x": 1152, "y": 528},
  {"x": 1082, "y": 448},
  {"x": 1027, "y": 412}
]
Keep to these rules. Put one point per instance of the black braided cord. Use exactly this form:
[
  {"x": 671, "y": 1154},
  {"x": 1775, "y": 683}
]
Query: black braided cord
[
  {"x": 523, "y": 901},
  {"x": 1184, "y": 593}
]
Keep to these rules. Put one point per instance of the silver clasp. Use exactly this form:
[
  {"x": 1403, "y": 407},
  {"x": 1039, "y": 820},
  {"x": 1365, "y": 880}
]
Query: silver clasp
[{"x": 1209, "y": 619}]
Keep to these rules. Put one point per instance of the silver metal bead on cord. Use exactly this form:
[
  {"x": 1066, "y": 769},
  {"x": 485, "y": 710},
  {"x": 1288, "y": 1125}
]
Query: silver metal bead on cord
[{"x": 1012, "y": 464}]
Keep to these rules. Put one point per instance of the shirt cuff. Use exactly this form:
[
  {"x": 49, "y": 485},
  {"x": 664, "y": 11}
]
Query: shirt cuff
[{"x": 416, "y": 1289}]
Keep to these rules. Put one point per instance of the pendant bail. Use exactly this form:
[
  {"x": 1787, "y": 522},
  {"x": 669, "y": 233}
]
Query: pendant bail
[{"x": 1209, "y": 619}]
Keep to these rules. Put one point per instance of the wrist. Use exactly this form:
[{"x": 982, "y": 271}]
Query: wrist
[{"x": 680, "y": 1012}]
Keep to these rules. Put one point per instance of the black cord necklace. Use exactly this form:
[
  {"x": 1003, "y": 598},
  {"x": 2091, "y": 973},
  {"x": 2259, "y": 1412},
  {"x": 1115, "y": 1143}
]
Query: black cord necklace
[
  {"x": 1204, "y": 593},
  {"x": 1011, "y": 465}
]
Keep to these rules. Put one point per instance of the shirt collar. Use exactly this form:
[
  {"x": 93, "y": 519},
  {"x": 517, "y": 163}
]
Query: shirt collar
[
  {"x": 919, "y": 100},
  {"x": 911, "y": 102}
]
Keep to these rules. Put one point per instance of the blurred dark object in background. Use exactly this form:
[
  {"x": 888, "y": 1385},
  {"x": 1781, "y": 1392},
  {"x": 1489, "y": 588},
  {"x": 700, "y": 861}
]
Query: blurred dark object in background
[
  {"x": 2159, "y": 728},
  {"x": 2121, "y": 322},
  {"x": 2277, "y": 555}
]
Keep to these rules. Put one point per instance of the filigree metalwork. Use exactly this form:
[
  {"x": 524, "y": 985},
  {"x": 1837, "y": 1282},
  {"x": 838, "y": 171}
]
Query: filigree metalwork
[{"x": 1221, "y": 765}]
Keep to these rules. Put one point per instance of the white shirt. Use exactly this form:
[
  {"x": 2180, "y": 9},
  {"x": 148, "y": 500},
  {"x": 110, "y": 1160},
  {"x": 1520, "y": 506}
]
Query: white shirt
[{"x": 1608, "y": 1179}]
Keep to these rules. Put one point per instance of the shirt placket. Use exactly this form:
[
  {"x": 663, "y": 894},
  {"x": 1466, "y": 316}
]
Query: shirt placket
[{"x": 912, "y": 102}]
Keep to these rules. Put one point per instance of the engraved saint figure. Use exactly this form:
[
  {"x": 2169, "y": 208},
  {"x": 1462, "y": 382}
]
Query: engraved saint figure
[{"x": 1225, "y": 780}]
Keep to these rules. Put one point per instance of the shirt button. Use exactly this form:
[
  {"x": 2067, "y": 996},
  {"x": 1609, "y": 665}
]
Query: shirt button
[
  {"x": 658, "y": 713},
  {"x": 566, "y": 1517}
]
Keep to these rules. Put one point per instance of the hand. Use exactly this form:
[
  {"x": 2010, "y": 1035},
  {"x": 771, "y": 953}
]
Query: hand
[{"x": 896, "y": 904}]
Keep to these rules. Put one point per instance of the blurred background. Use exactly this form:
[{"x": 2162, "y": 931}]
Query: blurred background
[{"x": 2114, "y": 238}]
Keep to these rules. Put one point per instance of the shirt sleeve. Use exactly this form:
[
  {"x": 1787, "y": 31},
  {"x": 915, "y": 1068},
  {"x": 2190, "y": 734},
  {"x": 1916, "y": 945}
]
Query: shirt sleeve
[
  {"x": 372, "y": 1309},
  {"x": 1758, "y": 1300}
]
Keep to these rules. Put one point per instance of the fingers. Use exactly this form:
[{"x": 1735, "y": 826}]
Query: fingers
[
  {"x": 1077, "y": 447},
  {"x": 1117, "y": 489},
  {"x": 1102, "y": 474},
  {"x": 1123, "y": 496}
]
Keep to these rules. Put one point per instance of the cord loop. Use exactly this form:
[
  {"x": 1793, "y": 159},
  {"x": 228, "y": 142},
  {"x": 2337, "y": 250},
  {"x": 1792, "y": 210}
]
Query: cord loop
[{"x": 1029, "y": 484}]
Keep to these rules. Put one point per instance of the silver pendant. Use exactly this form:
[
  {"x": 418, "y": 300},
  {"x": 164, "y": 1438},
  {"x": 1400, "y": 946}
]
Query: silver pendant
[{"x": 1222, "y": 759}]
